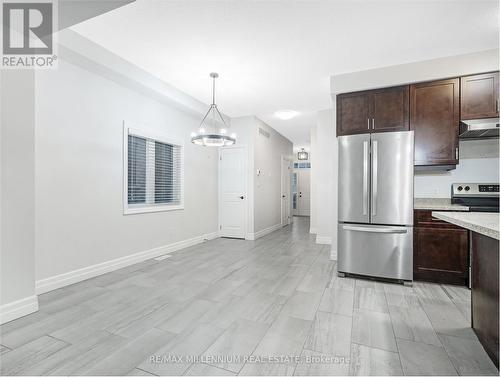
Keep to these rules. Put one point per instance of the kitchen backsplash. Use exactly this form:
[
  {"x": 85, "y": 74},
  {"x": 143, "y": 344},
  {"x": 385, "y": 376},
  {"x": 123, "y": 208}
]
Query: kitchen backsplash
[{"x": 479, "y": 162}]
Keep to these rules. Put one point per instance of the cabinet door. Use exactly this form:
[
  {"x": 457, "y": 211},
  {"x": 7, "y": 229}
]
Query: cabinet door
[
  {"x": 352, "y": 113},
  {"x": 479, "y": 96},
  {"x": 434, "y": 116},
  {"x": 389, "y": 109},
  {"x": 440, "y": 255}
]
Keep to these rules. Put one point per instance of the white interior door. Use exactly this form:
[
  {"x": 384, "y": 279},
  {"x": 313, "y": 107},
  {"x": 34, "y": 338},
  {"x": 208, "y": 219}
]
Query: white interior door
[
  {"x": 304, "y": 196},
  {"x": 286, "y": 181},
  {"x": 232, "y": 192}
]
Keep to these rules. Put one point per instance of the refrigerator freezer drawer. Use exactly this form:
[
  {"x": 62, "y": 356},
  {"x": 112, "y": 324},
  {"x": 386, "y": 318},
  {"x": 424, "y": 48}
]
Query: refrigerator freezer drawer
[{"x": 376, "y": 250}]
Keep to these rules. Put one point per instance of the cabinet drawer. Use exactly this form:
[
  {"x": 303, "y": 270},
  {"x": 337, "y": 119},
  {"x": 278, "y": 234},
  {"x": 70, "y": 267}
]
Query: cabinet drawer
[{"x": 423, "y": 218}]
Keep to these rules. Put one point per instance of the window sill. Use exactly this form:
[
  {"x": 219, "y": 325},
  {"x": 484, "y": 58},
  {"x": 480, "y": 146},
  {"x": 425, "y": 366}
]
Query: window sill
[{"x": 137, "y": 210}]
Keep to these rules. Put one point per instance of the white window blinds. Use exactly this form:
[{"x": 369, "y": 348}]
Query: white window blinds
[{"x": 154, "y": 173}]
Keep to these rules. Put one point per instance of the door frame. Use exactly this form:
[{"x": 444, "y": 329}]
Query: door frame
[
  {"x": 290, "y": 171},
  {"x": 245, "y": 184}
]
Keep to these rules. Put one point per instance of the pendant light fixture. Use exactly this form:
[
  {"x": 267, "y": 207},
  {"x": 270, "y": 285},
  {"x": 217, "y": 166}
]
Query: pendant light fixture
[
  {"x": 219, "y": 137},
  {"x": 302, "y": 155}
]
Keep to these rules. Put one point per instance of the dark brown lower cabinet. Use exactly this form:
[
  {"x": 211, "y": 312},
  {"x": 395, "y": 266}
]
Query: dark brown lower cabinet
[
  {"x": 440, "y": 250},
  {"x": 485, "y": 290}
]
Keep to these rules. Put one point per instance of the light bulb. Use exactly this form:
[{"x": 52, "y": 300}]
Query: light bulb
[
  {"x": 222, "y": 131},
  {"x": 202, "y": 130},
  {"x": 193, "y": 134},
  {"x": 233, "y": 135}
]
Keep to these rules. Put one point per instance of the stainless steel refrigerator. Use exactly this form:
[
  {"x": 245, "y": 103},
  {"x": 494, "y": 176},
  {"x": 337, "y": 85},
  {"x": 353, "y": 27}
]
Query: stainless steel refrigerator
[{"x": 375, "y": 218}]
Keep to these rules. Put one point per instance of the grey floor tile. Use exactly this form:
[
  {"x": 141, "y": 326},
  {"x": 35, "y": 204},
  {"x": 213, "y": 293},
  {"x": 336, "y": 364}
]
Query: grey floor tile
[
  {"x": 183, "y": 318},
  {"x": 337, "y": 301},
  {"x": 192, "y": 342},
  {"x": 286, "y": 336},
  {"x": 29, "y": 354},
  {"x": 373, "y": 329},
  {"x": 330, "y": 334},
  {"x": 129, "y": 355},
  {"x": 419, "y": 359},
  {"x": 318, "y": 364},
  {"x": 458, "y": 293},
  {"x": 201, "y": 369},
  {"x": 75, "y": 358},
  {"x": 468, "y": 356},
  {"x": 368, "y": 298},
  {"x": 368, "y": 361},
  {"x": 411, "y": 323},
  {"x": 447, "y": 319},
  {"x": 239, "y": 340},
  {"x": 302, "y": 305},
  {"x": 139, "y": 372},
  {"x": 37, "y": 329}
]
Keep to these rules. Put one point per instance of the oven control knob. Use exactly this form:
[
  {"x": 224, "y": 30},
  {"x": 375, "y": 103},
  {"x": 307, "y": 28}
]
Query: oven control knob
[
  {"x": 460, "y": 188},
  {"x": 467, "y": 188}
]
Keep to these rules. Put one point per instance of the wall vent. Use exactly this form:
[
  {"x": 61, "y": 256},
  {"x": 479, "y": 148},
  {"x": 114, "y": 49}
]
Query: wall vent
[{"x": 264, "y": 132}]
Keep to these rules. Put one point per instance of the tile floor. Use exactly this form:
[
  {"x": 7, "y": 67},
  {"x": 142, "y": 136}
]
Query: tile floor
[{"x": 228, "y": 307}]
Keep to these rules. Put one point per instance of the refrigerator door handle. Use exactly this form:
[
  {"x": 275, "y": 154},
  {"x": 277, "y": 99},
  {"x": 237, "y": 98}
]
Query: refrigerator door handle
[
  {"x": 375, "y": 230},
  {"x": 374, "y": 176},
  {"x": 365, "y": 177}
]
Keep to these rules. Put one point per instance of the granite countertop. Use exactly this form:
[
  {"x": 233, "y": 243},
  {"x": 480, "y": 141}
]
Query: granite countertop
[
  {"x": 443, "y": 204},
  {"x": 486, "y": 223}
]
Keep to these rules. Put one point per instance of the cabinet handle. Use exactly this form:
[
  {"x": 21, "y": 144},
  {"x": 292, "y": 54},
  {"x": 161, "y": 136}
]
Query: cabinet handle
[
  {"x": 497, "y": 106},
  {"x": 373, "y": 123},
  {"x": 368, "y": 120},
  {"x": 456, "y": 153}
]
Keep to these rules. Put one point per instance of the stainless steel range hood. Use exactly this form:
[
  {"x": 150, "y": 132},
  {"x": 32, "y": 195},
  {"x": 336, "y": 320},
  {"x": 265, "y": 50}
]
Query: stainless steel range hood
[{"x": 474, "y": 129}]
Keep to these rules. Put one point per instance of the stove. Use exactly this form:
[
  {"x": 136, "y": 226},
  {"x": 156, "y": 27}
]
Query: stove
[{"x": 479, "y": 197}]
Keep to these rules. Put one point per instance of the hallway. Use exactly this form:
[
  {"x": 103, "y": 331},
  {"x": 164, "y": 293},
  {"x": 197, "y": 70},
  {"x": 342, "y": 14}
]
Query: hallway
[{"x": 277, "y": 298}]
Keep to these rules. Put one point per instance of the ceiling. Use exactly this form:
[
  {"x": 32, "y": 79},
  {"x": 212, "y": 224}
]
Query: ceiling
[{"x": 274, "y": 55}]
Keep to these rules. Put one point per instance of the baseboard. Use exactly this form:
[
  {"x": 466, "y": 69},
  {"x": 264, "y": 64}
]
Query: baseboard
[
  {"x": 75, "y": 276},
  {"x": 18, "y": 309},
  {"x": 333, "y": 254},
  {"x": 324, "y": 240},
  {"x": 313, "y": 230},
  {"x": 263, "y": 232}
]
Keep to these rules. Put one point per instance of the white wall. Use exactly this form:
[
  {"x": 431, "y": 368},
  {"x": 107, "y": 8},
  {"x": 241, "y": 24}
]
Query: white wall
[
  {"x": 79, "y": 173},
  {"x": 264, "y": 190},
  {"x": 267, "y": 186},
  {"x": 324, "y": 179},
  {"x": 451, "y": 66},
  {"x": 479, "y": 162},
  {"x": 17, "y": 195},
  {"x": 313, "y": 192}
]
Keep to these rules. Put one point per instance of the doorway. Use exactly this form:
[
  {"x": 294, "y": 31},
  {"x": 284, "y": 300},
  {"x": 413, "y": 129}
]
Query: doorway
[
  {"x": 233, "y": 195},
  {"x": 301, "y": 189},
  {"x": 286, "y": 181}
]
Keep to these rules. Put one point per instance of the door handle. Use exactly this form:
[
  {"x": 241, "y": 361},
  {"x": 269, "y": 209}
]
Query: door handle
[
  {"x": 365, "y": 177},
  {"x": 374, "y": 176},
  {"x": 374, "y": 230},
  {"x": 242, "y": 197}
]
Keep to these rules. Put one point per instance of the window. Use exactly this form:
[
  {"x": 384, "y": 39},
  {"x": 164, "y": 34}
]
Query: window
[
  {"x": 302, "y": 165},
  {"x": 153, "y": 173}
]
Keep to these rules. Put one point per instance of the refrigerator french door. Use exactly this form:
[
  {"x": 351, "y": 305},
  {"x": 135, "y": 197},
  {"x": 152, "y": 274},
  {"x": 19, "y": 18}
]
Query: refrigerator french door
[{"x": 375, "y": 229}]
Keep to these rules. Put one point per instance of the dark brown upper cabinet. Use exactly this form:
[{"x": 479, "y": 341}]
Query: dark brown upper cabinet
[
  {"x": 389, "y": 109},
  {"x": 353, "y": 113},
  {"x": 434, "y": 116},
  {"x": 379, "y": 110},
  {"x": 479, "y": 96}
]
